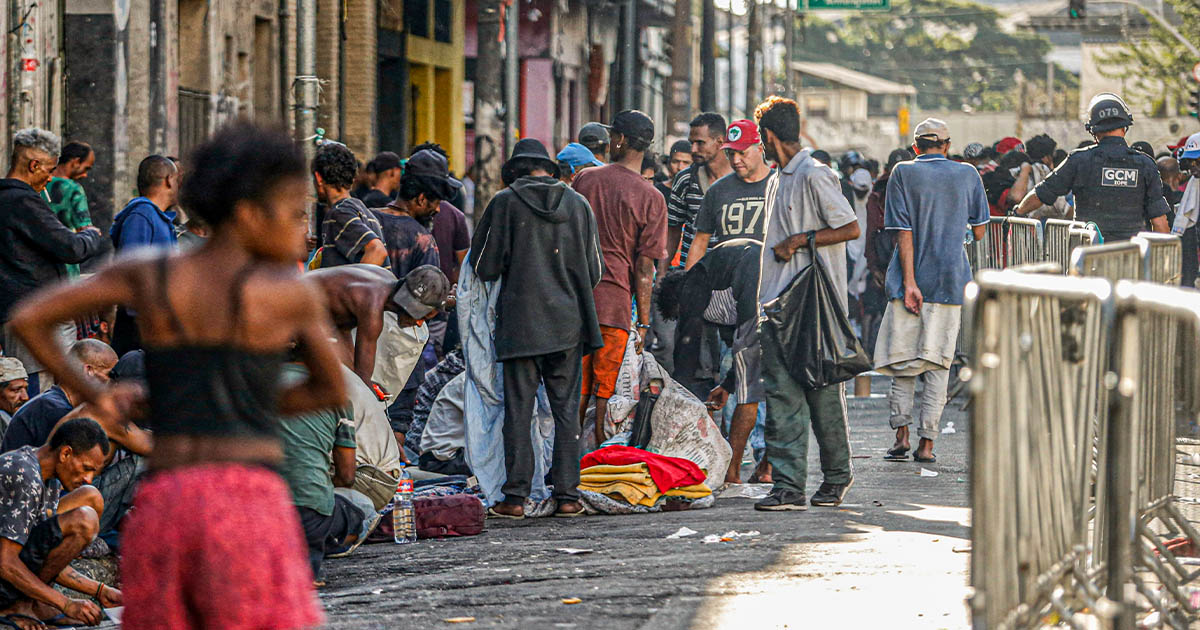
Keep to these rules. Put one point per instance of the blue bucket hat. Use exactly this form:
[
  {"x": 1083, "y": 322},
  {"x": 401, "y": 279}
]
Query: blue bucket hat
[{"x": 577, "y": 155}]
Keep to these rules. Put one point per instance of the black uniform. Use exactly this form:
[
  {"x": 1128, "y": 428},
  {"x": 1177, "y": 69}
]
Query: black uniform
[{"x": 1116, "y": 187}]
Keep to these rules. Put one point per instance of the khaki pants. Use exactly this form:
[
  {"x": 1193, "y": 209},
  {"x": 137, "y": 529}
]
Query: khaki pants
[{"x": 378, "y": 485}]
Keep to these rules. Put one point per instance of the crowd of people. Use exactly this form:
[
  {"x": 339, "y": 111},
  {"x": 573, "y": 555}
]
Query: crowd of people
[{"x": 231, "y": 371}]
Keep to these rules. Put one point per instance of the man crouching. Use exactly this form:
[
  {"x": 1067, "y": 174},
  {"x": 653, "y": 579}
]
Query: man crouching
[{"x": 42, "y": 532}]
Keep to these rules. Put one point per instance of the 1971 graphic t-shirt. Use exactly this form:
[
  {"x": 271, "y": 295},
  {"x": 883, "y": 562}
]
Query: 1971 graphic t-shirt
[{"x": 733, "y": 208}]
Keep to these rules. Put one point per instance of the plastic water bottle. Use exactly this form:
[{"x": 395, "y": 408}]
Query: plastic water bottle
[{"x": 404, "y": 522}]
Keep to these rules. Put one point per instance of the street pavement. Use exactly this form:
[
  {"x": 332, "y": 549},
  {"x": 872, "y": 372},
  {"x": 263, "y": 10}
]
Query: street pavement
[{"x": 893, "y": 556}]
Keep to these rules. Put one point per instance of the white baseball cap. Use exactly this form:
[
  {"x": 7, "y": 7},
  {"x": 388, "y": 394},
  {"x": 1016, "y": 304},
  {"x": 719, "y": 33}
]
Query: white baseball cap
[
  {"x": 932, "y": 129},
  {"x": 11, "y": 370},
  {"x": 1191, "y": 148}
]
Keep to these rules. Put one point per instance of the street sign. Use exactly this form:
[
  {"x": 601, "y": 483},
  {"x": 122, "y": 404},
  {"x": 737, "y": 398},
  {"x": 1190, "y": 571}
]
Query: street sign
[
  {"x": 846, "y": 5},
  {"x": 1196, "y": 72}
]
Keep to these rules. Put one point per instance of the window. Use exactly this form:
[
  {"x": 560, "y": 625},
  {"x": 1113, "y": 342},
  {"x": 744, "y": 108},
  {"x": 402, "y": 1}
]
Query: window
[
  {"x": 443, "y": 21},
  {"x": 416, "y": 17}
]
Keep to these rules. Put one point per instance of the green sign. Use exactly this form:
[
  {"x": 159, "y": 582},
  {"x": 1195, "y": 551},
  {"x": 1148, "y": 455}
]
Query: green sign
[{"x": 845, "y": 5}]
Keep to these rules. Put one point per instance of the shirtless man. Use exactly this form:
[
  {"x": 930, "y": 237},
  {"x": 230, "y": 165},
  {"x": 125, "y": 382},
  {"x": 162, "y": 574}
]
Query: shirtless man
[{"x": 358, "y": 296}]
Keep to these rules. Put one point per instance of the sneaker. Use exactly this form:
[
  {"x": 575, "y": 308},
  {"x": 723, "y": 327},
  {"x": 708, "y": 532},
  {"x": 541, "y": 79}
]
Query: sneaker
[
  {"x": 780, "y": 499},
  {"x": 368, "y": 527},
  {"x": 831, "y": 494}
]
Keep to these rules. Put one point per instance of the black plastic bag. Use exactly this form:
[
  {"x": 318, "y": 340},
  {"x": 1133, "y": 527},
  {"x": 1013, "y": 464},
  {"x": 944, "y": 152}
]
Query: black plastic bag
[
  {"x": 810, "y": 327},
  {"x": 641, "y": 430}
]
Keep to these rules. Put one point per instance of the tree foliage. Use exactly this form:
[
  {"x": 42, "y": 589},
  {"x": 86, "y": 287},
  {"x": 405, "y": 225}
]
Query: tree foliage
[
  {"x": 1157, "y": 69},
  {"x": 955, "y": 52}
]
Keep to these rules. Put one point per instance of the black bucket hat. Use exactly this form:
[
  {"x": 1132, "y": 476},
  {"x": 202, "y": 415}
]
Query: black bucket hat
[{"x": 530, "y": 149}]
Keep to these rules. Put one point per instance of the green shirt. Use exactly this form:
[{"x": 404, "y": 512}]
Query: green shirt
[
  {"x": 308, "y": 443},
  {"x": 69, "y": 203}
]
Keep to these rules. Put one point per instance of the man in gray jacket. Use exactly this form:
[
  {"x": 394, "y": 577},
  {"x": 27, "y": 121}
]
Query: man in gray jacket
[{"x": 538, "y": 237}]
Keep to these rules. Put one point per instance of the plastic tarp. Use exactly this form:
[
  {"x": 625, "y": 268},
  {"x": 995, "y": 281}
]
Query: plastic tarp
[
  {"x": 397, "y": 352},
  {"x": 483, "y": 394},
  {"x": 680, "y": 424}
]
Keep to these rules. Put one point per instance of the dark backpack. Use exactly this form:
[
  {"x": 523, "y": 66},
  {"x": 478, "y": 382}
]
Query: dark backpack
[{"x": 454, "y": 515}]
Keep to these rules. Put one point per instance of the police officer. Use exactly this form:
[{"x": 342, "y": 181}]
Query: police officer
[{"x": 1116, "y": 187}]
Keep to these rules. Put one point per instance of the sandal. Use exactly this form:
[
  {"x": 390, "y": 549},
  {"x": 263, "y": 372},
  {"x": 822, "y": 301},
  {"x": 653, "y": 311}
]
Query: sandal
[
  {"x": 492, "y": 513},
  {"x": 559, "y": 513},
  {"x": 898, "y": 454},
  {"x": 47, "y": 623},
  {"x": 932, "y": 459}
]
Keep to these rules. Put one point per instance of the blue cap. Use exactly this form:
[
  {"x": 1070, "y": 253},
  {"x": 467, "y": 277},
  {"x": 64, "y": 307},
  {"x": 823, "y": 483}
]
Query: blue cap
[
  {"x": 1191, "y": 148},
  {"x": 577, "y": 155}
]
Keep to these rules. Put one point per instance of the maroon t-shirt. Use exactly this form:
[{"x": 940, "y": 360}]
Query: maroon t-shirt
[
  {"x": 450, "y": 232},
  {"x": 631, "y": 221}
]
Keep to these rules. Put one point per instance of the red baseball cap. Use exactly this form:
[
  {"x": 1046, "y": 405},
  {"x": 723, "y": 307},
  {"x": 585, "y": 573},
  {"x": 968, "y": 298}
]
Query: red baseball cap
[
  {"x": 741, "y": 135},
  {"x": 1008, "y": 144}
]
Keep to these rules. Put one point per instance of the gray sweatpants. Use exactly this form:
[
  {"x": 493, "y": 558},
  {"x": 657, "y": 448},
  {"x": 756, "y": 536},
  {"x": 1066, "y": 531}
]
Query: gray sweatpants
[{"x": 901, "y": 399}]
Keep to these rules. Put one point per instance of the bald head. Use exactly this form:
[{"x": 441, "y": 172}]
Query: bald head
[
  {"x": 96, "y": 357},
  {"x": 153, "y": 173},
  {"x": 1168, "y": 170}
]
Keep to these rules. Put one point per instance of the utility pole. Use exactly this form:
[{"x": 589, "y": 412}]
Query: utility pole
[
  {"x": 489, "y": 132},
  {"x": 753, "y": 45},
  {"x": 308, "y": 85},
  {"x": 789, "y": 46},
  {"x": 512, "y": 74},
  {"x": 629, "y": 49},
  {"x": 680, "y": 110},
  {"x": 708, "y": 62}
]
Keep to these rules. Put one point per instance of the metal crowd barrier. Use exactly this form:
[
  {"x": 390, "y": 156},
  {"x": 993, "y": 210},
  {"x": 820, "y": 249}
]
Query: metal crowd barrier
[
  {"x": 1079, "y": 237},
  {"x": 1164, "y": 259},
  {"x": 1007, "y": 242},
  {"x": 1152, "y": 399},
  {"x": 1024, "y": 241},
  {"x": 1113, "y": 261},
  {"x": 1078, "y": 408},
  {"x": 1057, "y": 240},
  {"x": 1036, "y": 375}
]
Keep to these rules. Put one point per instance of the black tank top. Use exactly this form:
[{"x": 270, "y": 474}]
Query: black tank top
[{"x": 211, "y": 390}]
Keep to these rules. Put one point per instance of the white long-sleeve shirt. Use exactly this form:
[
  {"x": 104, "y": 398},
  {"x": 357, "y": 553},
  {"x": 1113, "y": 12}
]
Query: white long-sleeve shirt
[{"x": 1188, "y": 212}]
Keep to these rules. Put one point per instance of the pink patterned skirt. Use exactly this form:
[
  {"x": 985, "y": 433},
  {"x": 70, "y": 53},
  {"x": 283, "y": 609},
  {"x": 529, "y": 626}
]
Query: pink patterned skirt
[{"x": 216, "y": 546}]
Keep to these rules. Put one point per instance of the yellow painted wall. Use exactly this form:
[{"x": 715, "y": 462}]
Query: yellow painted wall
[{"x": 436, "y": 70}]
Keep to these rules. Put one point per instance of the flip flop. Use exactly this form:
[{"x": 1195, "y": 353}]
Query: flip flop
[
  {"x": 932, "y": 459},
  {"x": 494, "y": 514},
  {"x": 57, "y": 621},
  {"x": 8, "y": 623},
  {"x": 44, "y": 622},
  {"x": 897, "y": 454},
  {"x": 560, "y": 514}
]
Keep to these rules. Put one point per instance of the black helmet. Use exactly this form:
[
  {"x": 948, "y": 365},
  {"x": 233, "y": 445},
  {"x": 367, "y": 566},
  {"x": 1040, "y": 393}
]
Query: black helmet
[{"x": 1107, "y": 112}]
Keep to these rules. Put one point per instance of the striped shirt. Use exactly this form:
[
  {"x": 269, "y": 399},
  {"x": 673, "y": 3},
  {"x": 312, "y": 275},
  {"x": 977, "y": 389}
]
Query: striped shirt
[
  {"x": 687, "y": 194},
  {"x": 347, "y": 229}
]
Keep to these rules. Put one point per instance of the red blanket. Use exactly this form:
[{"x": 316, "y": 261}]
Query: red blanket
[{"x": 668, "y": 473}]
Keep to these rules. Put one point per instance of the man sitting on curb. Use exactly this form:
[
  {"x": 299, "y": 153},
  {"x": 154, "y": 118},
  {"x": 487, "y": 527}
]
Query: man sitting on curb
[
  {"x": 41, "y": 532},
  {"x": 376, "y": 451},
  {"x": 314, "y": 444},
  {"x": 125, "y": 461}
]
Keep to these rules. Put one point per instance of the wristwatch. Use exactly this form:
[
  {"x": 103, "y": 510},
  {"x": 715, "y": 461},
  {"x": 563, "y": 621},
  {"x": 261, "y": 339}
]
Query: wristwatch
[{"x": 645, "y": 326}]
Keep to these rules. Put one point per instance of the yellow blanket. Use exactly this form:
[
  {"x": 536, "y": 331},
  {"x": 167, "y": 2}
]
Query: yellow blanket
[{"x": 632, "y": 483}]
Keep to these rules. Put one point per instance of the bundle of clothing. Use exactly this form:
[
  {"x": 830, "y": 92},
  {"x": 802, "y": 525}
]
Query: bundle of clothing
[{"x": 642, "y": 478}]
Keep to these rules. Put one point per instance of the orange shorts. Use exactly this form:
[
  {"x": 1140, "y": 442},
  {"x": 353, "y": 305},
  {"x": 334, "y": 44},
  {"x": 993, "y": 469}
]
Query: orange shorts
[{"x": 600, "y": 368}]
